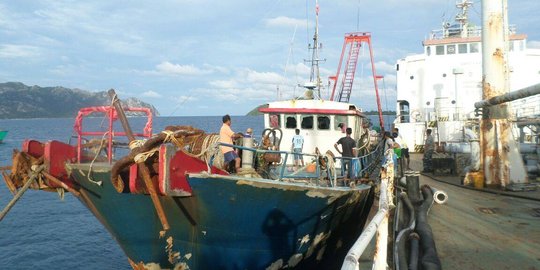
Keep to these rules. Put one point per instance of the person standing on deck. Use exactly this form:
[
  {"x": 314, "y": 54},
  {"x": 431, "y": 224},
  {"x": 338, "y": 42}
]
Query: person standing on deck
[
  {"x": 404, "y": 148},
  {"x": 347, "y": 145},
  {"x": 226, "y": 135},
  {"x": 297, "y": 145},
  {"x": 429, "y": 148}
]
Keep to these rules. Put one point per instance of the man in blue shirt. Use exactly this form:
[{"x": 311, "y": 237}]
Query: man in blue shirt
[{"x": 297, "y": 145}]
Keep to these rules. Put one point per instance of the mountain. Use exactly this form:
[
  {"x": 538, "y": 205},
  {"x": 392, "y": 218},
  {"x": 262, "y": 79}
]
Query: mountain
[{"x": 18, "y": 100}]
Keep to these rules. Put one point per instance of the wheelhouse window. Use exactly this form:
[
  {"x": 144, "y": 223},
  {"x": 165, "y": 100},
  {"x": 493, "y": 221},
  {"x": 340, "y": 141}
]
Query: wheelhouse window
[
  {"x": 307, "y": 122},
  {"x": 439, "y": 50},
  {"x": 323, "y": 122},
  {"x": 474, "y": 47},
  {"x": 428, "y": 50},
  {"x": 339, "y": 122},
  {"x": 462, "y": 48},
  {"x": 290, "y": 121},
  {"x": 275, "y": 121}
]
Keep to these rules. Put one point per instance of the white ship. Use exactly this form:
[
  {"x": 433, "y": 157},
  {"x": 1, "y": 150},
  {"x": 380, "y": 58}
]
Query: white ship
[{"x": 437, "y": 89}]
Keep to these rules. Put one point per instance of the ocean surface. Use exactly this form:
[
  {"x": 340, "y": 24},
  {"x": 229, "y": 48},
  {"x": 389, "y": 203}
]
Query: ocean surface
[{"x": 44, "y": 232}]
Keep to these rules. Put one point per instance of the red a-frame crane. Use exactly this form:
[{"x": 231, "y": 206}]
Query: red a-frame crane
[{"x": 352, "y": 44}]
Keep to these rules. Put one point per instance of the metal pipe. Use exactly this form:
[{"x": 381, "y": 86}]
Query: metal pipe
[
  {"x": 413, "y": 186},
  {"x": 247, "y": 156},
  {"x": 518, "y": 94},
  {"x": 145, "y": 172},
  {"x": 351, "y": 260},
  {"x": 60, "y": 183},
  {"x": 439, "y": 196},
  {"x": 33, "y": 176}
]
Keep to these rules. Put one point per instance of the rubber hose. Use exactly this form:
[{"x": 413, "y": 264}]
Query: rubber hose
[
  {"x": 413, "y": 255},
  {"x": 400, "y": 248},
  {"x": 430, "y": 259}
]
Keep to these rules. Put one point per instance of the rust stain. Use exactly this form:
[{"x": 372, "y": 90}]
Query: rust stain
[
  {"x": 319, "y": 239},
  {"x": 295, "y": 259},
  {"x": 331, "y": 194},
  {"x": 275, "y": 265},
  {"x": 304, "y": 240}
]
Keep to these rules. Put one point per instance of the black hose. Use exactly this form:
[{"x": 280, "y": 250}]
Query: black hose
[
  {"x": 413, "y": 255},
  {"x": 400, "y": 248},
  {"x": 430, "y": 259},
  {"x": 413, "y": 187}
]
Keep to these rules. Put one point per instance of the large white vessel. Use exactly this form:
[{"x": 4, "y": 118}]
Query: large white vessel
[{"x": 437, "y": 88}]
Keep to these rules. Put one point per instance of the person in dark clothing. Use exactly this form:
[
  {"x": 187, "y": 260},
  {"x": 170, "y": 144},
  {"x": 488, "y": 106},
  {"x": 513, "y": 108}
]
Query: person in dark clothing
[
  {"x": 347, "y": 146},
  {"x": 429, "y": 149}
]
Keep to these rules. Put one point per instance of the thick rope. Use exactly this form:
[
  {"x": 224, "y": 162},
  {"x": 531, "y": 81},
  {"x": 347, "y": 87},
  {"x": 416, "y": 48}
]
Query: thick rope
[
  {"x": 142, "y": 157},
  {"x": 94, "y": 160}
]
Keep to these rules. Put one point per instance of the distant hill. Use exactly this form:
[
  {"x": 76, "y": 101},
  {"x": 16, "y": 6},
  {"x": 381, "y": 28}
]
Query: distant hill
[
  {"x": 18, "y": 100},
  {"x": 255, "y": 111}
]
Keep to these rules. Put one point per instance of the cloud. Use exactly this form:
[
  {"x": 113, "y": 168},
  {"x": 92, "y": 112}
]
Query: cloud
[
  {"x": 231, "y": 83},
  {"x": 384, "y": 67},
  {"x": 18, "y": 51},
  {"x": 263, "y": 77},
  {"x": 168, "y": 68},
  {"x": 283, "y": 21},
  {"x": 151, "y": 94}
]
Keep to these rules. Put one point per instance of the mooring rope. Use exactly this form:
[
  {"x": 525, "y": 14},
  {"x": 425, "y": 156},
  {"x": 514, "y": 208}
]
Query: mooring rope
[{"x": 94, "y": 160}]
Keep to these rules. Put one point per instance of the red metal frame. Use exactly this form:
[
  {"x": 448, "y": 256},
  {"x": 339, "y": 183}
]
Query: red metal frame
[
  {"x": 351, "y": 40},
  {"x": 111, "y": 113}
]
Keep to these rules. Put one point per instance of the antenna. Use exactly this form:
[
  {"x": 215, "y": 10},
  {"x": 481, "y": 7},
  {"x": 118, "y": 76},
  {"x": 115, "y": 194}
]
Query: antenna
[{"x": 314, "y": 77}]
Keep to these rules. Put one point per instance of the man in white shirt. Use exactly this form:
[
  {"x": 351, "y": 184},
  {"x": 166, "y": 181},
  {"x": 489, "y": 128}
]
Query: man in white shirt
[{"x": 297, "y": 145}]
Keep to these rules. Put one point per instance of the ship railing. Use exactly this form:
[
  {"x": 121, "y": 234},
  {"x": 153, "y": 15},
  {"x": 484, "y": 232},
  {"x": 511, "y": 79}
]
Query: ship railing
[
  {"x": 361, "y": 166},
  {"x": 107, "y": 136},
  {"x": 455, "y": 31},
  {"x": 379, "y": 223}
]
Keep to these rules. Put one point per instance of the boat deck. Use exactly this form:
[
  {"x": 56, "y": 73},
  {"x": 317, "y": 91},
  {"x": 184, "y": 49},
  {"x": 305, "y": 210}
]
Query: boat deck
[
  {"x": 484, "y": 229},
  {"x": 479, "y": 229}
]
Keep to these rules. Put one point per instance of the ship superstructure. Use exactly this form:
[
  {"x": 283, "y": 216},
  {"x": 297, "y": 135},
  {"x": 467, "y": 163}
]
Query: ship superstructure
[{"x": 437, "y": 88}]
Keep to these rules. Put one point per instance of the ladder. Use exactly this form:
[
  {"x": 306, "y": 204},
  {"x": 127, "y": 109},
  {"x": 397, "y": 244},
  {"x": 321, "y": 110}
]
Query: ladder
[
  {"x": 350, "y": 70},
  {"x": 351, "y": 45}
]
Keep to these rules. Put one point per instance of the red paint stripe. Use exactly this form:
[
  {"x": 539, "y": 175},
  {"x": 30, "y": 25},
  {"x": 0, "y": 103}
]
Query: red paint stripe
[{"x": 311, "y": 111}]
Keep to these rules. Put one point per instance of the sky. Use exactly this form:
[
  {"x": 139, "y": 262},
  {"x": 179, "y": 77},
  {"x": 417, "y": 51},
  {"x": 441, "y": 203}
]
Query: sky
[{"x": 207, "y": 57}]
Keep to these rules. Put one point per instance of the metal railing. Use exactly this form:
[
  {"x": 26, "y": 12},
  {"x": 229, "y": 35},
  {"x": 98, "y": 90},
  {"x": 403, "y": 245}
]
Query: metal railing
[
  {"x": 378, "y": 224},
  {"x": 361, "y": 165}
]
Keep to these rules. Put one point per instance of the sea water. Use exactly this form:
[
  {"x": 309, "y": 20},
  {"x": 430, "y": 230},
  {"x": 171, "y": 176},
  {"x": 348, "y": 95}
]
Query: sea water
[{"x": 43, "y": 231}]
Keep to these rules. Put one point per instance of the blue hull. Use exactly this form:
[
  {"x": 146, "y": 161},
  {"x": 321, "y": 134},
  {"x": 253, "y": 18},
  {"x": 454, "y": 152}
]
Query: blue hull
[{"x": 231, "y": 222}]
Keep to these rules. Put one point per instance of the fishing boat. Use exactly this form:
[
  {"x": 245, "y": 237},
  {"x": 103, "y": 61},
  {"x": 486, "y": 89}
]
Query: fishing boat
[
  {"x": 437, "y": 89},
  {"x": 3, "y": 134},
  {"x": 170, "y": 202}
]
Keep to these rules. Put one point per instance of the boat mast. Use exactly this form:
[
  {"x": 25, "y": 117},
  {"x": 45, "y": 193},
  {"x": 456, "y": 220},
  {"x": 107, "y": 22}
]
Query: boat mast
[
  {"x": 314, "y": 77},
  {"x": 463, "y": 17}
]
